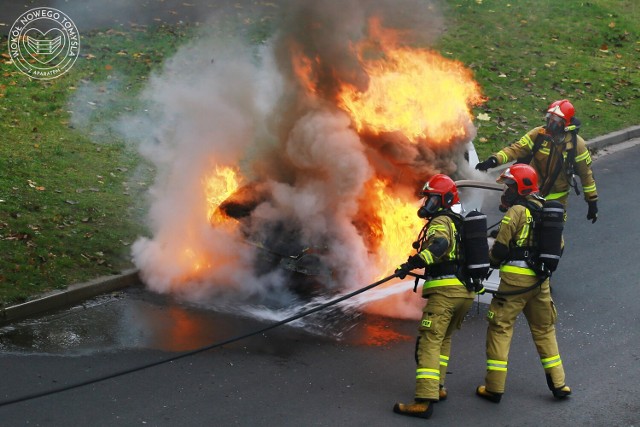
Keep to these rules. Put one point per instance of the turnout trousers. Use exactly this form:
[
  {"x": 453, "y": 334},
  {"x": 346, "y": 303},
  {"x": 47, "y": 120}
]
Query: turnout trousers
[
  {"x": 441, "y": 316},
  {"x": 541, "y": 315}
]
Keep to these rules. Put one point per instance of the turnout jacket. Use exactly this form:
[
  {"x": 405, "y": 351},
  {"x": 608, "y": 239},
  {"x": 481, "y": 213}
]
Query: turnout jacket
[
  {"x": 441, "y": 255},
  {"x": 550, "y": 157},
  {"x": 515, "y": 231}
]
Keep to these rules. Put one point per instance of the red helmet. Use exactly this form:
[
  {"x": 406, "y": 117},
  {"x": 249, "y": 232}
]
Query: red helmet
[
  {"x": 563, "y": 109},
  {"x": 523, "y": 175},
  {"x": 443, "y": 186}
]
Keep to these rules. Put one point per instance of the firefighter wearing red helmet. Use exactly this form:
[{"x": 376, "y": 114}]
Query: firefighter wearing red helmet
[
  {"x": 448, "y": 298},
  {"x": 509, "y": 251},
  {"x": 557, "y": 153}
]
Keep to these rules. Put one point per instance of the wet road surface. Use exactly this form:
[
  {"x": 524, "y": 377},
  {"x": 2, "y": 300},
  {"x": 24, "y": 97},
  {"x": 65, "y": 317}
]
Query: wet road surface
[{"x": 339, "y": 369}]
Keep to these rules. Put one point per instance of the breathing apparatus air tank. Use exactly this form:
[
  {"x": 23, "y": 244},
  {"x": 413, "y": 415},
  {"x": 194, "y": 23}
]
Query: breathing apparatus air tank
[
  {"x": 550, "y": 235},
  {"x": 476, "y": 246}
]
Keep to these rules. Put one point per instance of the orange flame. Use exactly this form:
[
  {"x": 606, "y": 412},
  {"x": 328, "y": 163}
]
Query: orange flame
[
  {"x": 218, "y": 187},
  {"x": 194, "y": 258},
  {"x": 413, "y": 91},
  {"x": 303, "y": 69},
  {"x": 397, "y": 228}
]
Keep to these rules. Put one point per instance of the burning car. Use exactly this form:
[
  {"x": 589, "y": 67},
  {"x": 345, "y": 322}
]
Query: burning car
[
  {"x": 281, "y": 246},
  {"x": 299, "y": 172}
]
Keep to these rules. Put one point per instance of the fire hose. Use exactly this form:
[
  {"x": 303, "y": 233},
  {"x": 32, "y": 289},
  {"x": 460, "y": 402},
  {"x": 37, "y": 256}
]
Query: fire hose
[
  {"x": 460, "y": 184},
  {"x": 198, "y": 350}
]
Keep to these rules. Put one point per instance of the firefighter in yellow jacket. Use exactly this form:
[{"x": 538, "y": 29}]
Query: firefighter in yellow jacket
[
  {"x": 557, "y": 153},
  {"x": 448, "y": 298},
  {"x": 509, "y": 251}
]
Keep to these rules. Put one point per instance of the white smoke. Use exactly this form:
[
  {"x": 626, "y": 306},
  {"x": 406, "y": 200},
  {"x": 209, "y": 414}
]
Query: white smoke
[
  {"x": 227, "y": 103},
  {"x": 201, "y": 113}
]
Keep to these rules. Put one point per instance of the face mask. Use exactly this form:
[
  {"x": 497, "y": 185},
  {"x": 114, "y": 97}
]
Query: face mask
[
  {"x": 555, "y": 127},
  {"x": 430, "y": 206},
  {"x": 508, "y": 198}
]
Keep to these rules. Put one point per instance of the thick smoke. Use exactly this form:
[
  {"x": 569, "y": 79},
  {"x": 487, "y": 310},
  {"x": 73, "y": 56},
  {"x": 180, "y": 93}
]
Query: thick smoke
[{"x": 229, "y": 103}]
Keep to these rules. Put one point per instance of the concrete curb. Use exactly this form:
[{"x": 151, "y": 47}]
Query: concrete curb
[
  {"x": 601, "y": 142},
  {"x": 82, "y": 291},
  {"x": 70, "y": 296}
]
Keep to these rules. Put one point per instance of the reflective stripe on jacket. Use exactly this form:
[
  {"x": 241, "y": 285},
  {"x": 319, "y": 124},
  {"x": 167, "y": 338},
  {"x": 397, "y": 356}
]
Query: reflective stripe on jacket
[
  {"x": 516, "y": 232},
  {"x": 442, "y": 227}
]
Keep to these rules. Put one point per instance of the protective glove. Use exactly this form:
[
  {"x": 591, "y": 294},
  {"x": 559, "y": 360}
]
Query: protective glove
[
  {"x": 593, "y": 211},
  {"x": 491, "y": 162},
  {"x": 413, "y": 262},
  {"x": 402, "y": 271}
]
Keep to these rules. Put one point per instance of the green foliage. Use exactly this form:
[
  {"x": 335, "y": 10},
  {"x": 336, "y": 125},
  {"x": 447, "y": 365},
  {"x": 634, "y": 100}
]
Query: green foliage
[
  {"x": 71, "y": 193},
  {"x": 527, "y": 54}
]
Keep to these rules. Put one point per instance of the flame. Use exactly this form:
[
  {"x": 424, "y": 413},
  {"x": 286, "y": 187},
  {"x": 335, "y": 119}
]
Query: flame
[
  {"x": 414, "y": 91},
  {"x": 218, "y": 187},
  {"x": 194, "y": 258},
  {"x": 303, "y": 68},
  {"x": 411, "y": 91},
  {"x": 396, "y": 229}
]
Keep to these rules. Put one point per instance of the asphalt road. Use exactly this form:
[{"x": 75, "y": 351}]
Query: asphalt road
[{"x": 357, "y": 368}]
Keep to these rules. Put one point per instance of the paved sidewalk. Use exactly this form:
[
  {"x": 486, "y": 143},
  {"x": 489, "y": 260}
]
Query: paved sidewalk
[{"x": 82, "y": 291}]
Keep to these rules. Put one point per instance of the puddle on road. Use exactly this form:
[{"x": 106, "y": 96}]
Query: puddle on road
[{"x": 135, "y": 318}]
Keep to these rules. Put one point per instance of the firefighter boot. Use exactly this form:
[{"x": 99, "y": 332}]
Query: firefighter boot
[
  {"x": 558, "y": 392},
  {"x": 488, "y": 395},
  {"x": 442, "y": 393},
  {"x": 421, "y": 408}
]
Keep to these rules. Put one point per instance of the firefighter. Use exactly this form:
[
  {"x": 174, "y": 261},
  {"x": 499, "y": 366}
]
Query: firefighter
[
  {"x": 448, "y": 298},
  {"x": 513, "y": 242},
  {"x": 556, "y": 152}
]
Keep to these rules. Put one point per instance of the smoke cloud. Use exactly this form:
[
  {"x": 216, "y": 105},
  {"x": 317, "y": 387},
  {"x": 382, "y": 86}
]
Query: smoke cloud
[{"x": 220, "y": 103}]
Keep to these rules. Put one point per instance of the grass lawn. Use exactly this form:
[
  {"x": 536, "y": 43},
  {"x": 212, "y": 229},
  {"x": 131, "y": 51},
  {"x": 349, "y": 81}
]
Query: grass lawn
[{"x": 72, "y": 193}]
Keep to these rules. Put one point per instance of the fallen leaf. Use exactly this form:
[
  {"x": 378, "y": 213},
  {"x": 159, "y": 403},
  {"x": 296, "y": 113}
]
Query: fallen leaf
[
  {"x": 71, "y": 202},
  {"x": 484, "y": 117}
]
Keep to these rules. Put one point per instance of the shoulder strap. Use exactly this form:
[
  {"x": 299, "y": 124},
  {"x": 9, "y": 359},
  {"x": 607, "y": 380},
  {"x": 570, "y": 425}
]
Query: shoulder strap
[
  {"x": 570, "y": 166},
  {"x": 538, "y": 143}
]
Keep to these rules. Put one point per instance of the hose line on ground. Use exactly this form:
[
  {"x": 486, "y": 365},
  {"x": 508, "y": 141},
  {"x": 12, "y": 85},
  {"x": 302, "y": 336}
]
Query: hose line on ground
[{"x": 198, "y": 350}]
